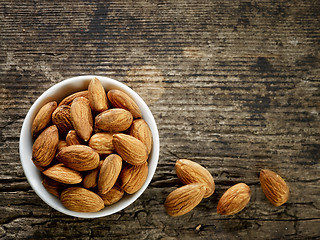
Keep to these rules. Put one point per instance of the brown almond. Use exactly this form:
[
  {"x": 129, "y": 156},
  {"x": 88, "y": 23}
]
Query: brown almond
[
  {"x": 234, "y": 199},
  {"x": 192, "y": 172},
  {"x": 68, "y": 100},
  {"x": 81, "y": 200},
  {"x": 102, "y": 143},
  {"x": 61, "y": 144},
  {"x": 113, "y": 195},
  {"x": 131, "y": 149},
  {"x": 97, "y": 96},
  {"x": 63, "y": 174},
  {"x": 114, "y": 120},
  {"x": 133, "y": 177},
  {"x": 140, "y": 129},
  {"x": 62, "y": 119},
  {"x": 45, "y": 147},
  {"x": 43, "y": 118},
  {"x": 79, "y": 157},
  {"x": 119, "y": 99},
  {"x": 53, "y": 186},
  {"x": 90, "y": 179},
  {"x": 81, "y": 118},
  {"x": 184, "y": 199},
  {"x": 72, "y": 138},
  {"x": 109, "y": 172},
  {"x": 274, "y": 187}
]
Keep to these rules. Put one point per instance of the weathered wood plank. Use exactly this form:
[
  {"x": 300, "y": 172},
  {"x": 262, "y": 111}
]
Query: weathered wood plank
[{"x": 233, "y": 85}]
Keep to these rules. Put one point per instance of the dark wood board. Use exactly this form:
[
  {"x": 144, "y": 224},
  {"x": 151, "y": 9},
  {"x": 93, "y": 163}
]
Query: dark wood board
[{"x": 233, "y": 85}]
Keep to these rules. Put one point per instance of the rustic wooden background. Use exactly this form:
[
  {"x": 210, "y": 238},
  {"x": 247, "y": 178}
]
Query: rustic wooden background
[{"x": 233, "y": 85}]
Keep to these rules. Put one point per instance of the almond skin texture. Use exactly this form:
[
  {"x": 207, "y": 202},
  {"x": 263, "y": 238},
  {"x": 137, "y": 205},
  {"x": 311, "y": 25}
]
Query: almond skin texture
[
  {"x": 68, "y": 100},
  {"x": 97, "y": 96},
  {"x": 81, "y": 200},
  {"x": 61, "y": 144},
  {"x": 62, "y": 119},
  {"x": 45, "y": 147},
  {"x": 72, "y": 138},
  {"x": 119, "y": 99},
  {"x": 114, "y": 120},
  {"x": 102, "y": 143},
  {"x": 79, "y": 157},
  {"x": 109, "y": 172},
  {"x": 42, "y": 118},
  {"x": 53, "y": 186},
  {"x": 133, "y": 177},
  {"x": 140, "y": 129},
  {"x": 131, "y": 149},
  {"x": 274, "y": 187},
  {"x": 184, "y": 199},
  {"x": 81, "y": 118},
  {"x": 113, "y": 195},
  {"x": 192, "y": 172},
  {"x": 91, "y": 178},
  {"x": 63, "y": 174},
  {"x": 234, "y": 199}
]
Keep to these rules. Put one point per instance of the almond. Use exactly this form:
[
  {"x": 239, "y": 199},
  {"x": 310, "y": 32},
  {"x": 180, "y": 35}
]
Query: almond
[
  {"x": 91, "y": 178},
  {"x": 113, "y": 195},
  {"x": 109, "y": 172},
  {"x": 45, "y": 147},
  {"x": 192, "y": 172},
  {"x": 63, "y": 174},
  {"x": 81, "y": 200},
  {"x": 79, "y": 157},
  {"x": 102, "y": 143},
  {"x": 43, "y": 118},
  {"x": 53, "y": 186},
  {"x": 61, "y": 144},
  {"x": 68, "y": 100},
  {"x": 81, "y": 118},
  {"x": 234, "y": 199},
  {"x": 62, "y": 119},
  {"x": 184, "y": 199},
  {"x": 140, "y": 129},
  {"x": 133, "y": 177},
  {"x": 274, "y": 187},
  {"x": 97, "y": 96},
  {"x": 72, "y": 138},
  {"x": 119, "y": 99},
  {"x": 131, "y": 149},
  {"x": 114, "y": 120}
]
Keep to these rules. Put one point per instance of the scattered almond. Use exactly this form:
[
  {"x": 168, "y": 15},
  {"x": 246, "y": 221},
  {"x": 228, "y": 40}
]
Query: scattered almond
[
  {"x": 184, "y": 199},
  {"x": 234, "y": 199},
  {"x": 274, "y": 187},
  {"x": 192, "y": 172}
]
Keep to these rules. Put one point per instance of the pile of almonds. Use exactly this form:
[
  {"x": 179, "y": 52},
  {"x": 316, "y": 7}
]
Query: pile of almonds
[
  {"x": 92, "y": 147},
  {"x": 199, "y": 184}
]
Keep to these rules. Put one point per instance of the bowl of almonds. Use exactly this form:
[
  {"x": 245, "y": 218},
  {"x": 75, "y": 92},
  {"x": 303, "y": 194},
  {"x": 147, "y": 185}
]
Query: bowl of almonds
[{"x": 89, "y": 146}]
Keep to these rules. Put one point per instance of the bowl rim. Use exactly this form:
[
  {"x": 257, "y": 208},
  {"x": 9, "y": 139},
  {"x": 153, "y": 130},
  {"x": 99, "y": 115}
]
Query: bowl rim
[{"x": 32, "y": 173}]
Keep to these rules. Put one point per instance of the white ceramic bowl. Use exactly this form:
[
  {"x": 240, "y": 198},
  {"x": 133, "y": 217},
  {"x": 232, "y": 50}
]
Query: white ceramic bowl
[{"x": 57, "y": 93}]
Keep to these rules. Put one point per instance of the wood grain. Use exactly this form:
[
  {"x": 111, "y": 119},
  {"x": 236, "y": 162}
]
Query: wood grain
[{"x": 233, "y": 85}]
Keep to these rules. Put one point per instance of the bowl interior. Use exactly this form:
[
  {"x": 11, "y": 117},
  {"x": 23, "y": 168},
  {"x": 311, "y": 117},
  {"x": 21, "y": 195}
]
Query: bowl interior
[{"x": 57, "y": 93}]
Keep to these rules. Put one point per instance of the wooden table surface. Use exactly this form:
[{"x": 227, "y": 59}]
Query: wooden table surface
[{"x": 233, "y": 85}]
